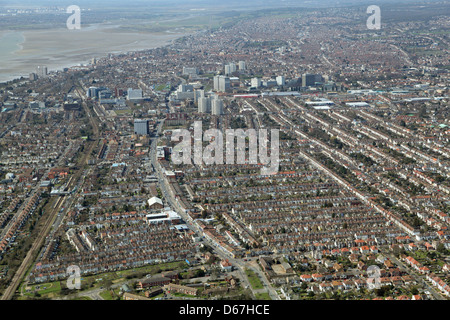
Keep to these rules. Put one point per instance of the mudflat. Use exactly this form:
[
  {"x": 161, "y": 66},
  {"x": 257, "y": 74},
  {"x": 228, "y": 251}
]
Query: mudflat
[{"x": 59, "y": 48}]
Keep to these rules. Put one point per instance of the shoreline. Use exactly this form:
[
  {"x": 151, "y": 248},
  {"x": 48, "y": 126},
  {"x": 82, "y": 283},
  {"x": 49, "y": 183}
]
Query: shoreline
[{"x": 58, "y": 49}]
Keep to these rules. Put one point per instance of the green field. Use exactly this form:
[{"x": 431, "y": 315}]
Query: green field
[
  {"x": 262, "y": 296},
  {"x": 106, "y": 295},
  {"x": 43, "y": 289},
  {"x": 254, "y": 280}
]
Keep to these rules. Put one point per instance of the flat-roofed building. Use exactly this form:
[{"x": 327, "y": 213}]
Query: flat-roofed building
[{"x": 141, "y": 127}]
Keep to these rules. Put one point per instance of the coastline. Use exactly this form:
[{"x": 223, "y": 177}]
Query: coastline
[{"x": 60, "y": 48}]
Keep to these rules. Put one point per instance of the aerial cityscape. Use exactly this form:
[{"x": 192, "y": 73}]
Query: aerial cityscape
[{"x": 210, "y": 151}]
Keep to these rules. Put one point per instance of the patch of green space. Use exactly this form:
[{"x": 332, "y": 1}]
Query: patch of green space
[
  {"x": 263, "y": 296},
  {"x": 161, "y": 87},
  {"x": 44, "y": 288},
  {"x": 106, "y": 295},
  {"x": 253, "y": 279}
]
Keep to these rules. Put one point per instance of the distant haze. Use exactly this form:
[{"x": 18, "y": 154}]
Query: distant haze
[{"x": 202, "y": 3}]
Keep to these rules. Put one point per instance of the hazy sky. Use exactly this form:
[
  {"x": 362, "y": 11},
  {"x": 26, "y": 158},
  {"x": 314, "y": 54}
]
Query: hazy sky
[{"x": 168, "y": 3}]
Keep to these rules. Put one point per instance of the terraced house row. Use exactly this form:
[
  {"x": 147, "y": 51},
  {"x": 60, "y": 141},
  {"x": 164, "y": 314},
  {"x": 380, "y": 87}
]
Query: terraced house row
[{"x": 116, "y": 246}]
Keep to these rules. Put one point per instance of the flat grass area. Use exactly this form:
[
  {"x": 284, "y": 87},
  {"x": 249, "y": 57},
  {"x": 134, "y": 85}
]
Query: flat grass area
[
  {"x": 161, "y": 87},
  {"x": 153, "y": 269},
  {"x": 106, "y": 295},
  {"x": 44, "y": 288},
  {"x": 263, "y": 296},
  {"x": 254, "y": 280}
]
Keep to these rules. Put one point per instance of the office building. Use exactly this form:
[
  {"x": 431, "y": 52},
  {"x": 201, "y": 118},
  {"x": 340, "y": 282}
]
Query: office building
[
  {"x": 185, "y": 91},
  {"x": 270, "y": 83},
  {"x": 134, "y": 94},
  {"x": 141, "y": 127},
  {"x": 105, "y": 94},
  {"x": 311, "y": 79},
  {"x": 94, "y": 92},
  {"x": 185, "y": 88},
  {"x": 190, "y": 71}
]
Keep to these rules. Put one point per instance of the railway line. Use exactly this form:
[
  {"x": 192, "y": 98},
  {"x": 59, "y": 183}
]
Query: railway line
[{"x": 53, "y": 215}]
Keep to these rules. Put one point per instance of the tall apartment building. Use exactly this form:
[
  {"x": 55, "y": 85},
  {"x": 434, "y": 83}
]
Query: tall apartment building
[
  {"x": 256, "y": 82},
  {"x": 217, "y": 107},
  {"x": 281, "y": 80},
  {"x": 204, "y": 105},
  {"x": 41, "y": 71},
  {"x": 222, "y": 83}
]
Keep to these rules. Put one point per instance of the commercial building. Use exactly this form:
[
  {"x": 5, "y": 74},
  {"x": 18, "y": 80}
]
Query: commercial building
[
  {"x": 134, "y": 94},
  {"x": 141, "y": 127},
  {"x": 309, "y": 79},
  {"x": 165, "y": 216},
  {"x": 187, "y": 71}
]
